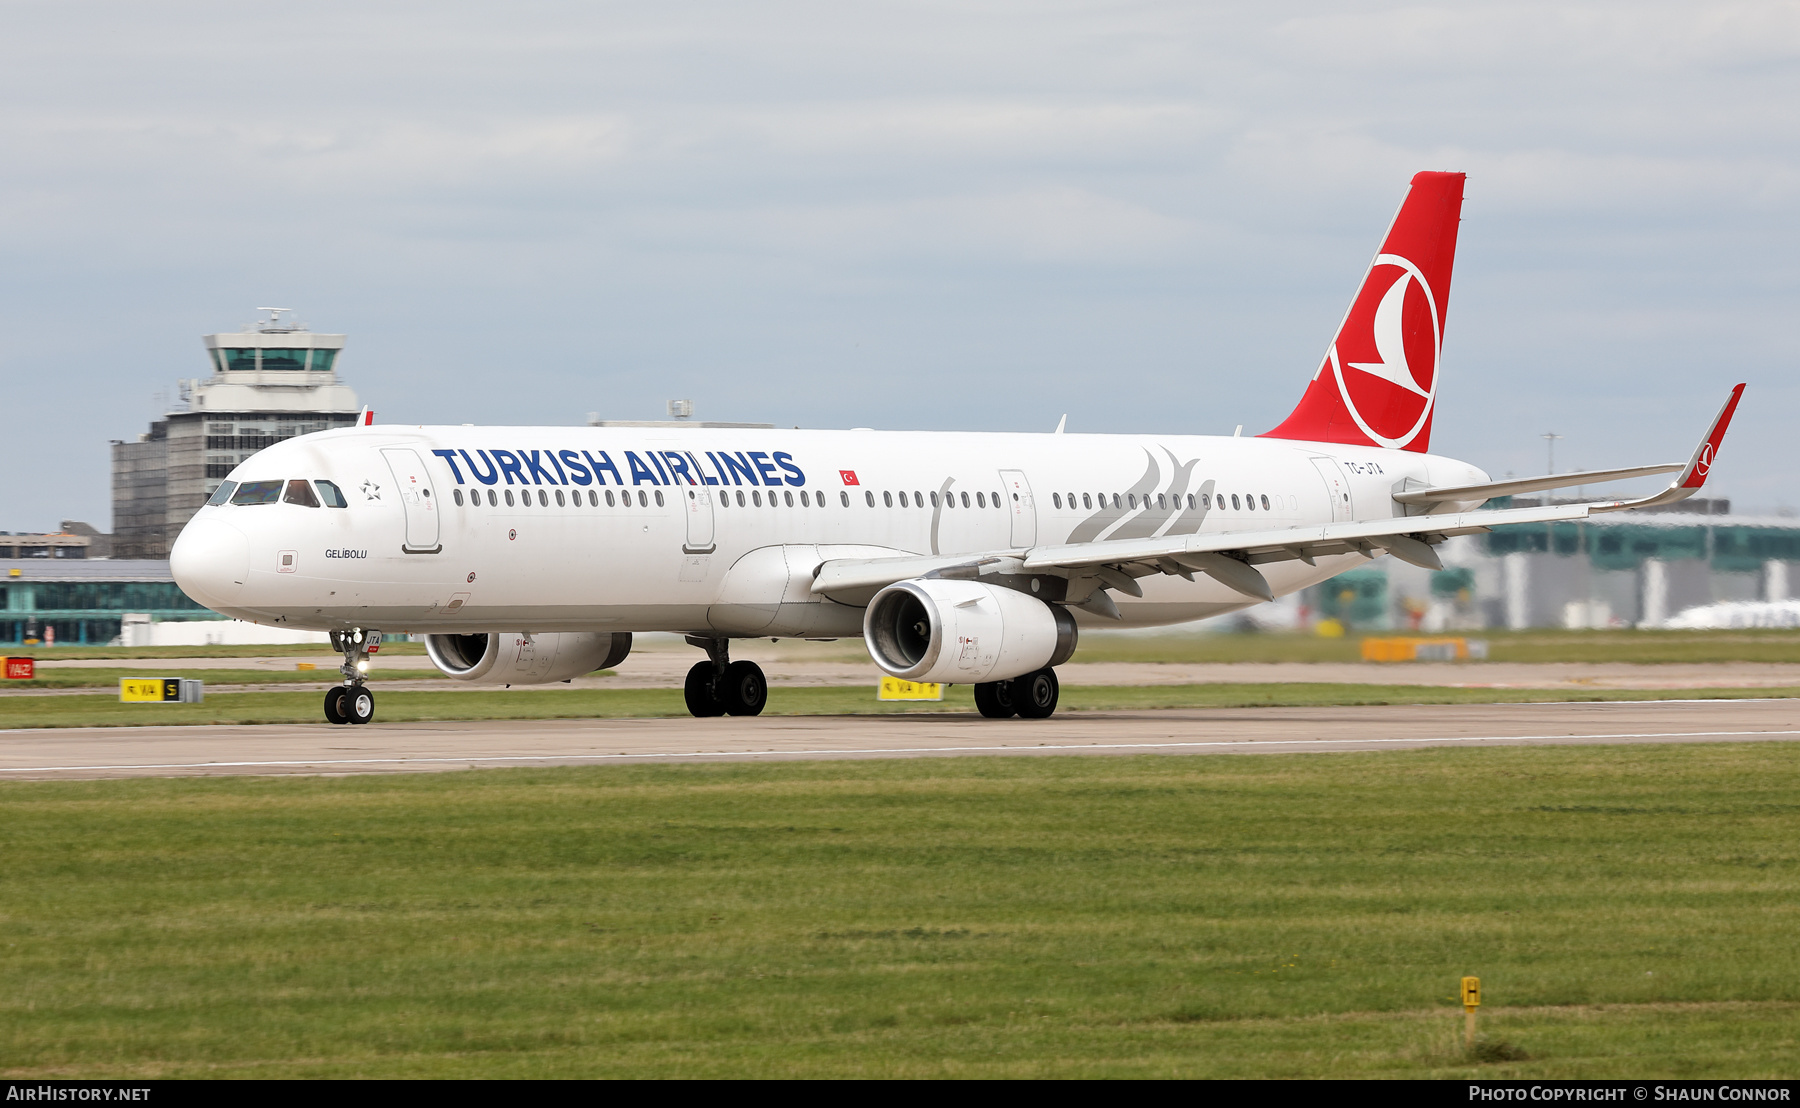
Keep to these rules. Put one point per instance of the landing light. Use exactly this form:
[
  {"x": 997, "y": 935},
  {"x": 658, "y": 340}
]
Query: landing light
[{"x": 362, "y": 667}]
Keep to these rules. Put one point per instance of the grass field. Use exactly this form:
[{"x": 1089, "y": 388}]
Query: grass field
[
  {"x": 1647, "y": 647},
  {"x": 135, "y": 653},
  {"x": 99, "y": 677},
  {"x": 400, "y": 706},
  {"x": 1630, "y": 910},
  {"x": 1642, "y": 647}
]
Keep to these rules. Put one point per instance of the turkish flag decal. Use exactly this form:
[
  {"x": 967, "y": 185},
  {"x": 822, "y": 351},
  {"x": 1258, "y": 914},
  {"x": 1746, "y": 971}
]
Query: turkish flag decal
[{"x": 849, "y": 476}]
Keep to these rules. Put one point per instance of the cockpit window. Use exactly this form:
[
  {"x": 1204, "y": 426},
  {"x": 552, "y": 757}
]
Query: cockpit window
[
  {"x": 257, "y": 492},
  {"x": 222, "y": 493},
  {"x": 299, "y": 492},
  {"x": 331, "y": 495}
]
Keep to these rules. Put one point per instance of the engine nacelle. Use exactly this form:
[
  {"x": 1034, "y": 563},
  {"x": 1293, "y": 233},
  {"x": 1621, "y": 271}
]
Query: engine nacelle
[
  {"x": 519, "y": 659},
  {"x": 964, "y": 632}
]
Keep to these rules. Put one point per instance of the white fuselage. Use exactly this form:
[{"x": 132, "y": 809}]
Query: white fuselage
[{"x": 718, "y": 532}]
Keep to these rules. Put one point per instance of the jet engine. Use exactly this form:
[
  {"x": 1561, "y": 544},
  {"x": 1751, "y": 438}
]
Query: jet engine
[
  {"x": 521, "y": 659},
  {"x": 964, "y": 632}
]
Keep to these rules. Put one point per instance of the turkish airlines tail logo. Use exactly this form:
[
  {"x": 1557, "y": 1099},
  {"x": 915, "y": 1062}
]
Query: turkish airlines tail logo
[{"x": 1378, "y": 383}]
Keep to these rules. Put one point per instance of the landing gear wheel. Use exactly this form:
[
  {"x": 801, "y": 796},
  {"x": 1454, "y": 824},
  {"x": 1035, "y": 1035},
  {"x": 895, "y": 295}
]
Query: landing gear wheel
[
  {"x": 743, "y": 690},
  {"x": 996, "y": 699},
  {"x": 359, "y": 704},
  {"x": 702, "y": 697},
  {"x": 334, "y": 705},
  {"x": 1036, "y": 694}
]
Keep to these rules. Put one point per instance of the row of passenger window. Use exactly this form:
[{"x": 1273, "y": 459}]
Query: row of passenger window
[
  {"x": 753, "y": 498},
  {"x": 1194, "y": 500},
  {"x": 808, "y": 499},
  {"x": 294, "y": 491},
  {"x": 914, "y": 500},
  {"x": 948, "y": 500},
  {"x": 495, "y": 499}
]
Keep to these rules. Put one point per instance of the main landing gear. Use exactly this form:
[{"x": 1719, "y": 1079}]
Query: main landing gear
[
  {"x": 353, "y": 701},
  {"x": 722, "y": 687},
  {"x": 1031, "y": 696}
]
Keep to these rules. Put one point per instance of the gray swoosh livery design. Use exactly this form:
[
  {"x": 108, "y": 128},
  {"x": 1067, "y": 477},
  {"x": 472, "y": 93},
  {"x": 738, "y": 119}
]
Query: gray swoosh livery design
[
  {"x": 1141, "y": 523},
  {"x": 937, "y": 512},
  {"x": 1150, "y": 520}
]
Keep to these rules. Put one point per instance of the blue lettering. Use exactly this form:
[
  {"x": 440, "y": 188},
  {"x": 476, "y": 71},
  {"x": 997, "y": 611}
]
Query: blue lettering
[
  {"x": 786, "y": 461},
  {"x": 738, "y": 466},
  {"x": 539, "y": 475},
  {"x": 450, "y": 456},
  {"x": 657, "y": 462},
  {"x": 767, "y": 469},
  {"x": 678, "y": 466},
  {"x": 582, "y": 477},
  {"x": 699, "y": 470},
  {"x": 710, "y": 479},
  {"x": 487, "y": 478},
  {"x": 511, "y": 466},
  {"x": 551, "y": 454},
  {"x": 640, "y": 472},
  {"x": 605, "y": 463}
]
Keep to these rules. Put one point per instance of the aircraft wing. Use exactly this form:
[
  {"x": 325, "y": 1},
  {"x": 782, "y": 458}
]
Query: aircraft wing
[
  {"x": 1228, "y": 556},
  {"x": 1438, "y": 494},
  {"x": 1693, "y": 474},
  {"x": 1231, "y": 557}
]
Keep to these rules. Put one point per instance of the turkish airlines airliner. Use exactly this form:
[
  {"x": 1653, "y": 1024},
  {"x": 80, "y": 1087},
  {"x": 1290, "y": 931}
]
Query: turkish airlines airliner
[{"x": 531, "y": 554}]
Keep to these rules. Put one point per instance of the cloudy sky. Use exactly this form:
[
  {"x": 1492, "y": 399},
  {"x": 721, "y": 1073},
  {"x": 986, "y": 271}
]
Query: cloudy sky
[{"x": 968, "y": 215}]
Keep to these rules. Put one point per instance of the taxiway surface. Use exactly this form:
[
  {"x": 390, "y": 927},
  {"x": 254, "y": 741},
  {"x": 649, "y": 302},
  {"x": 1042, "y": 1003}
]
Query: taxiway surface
[
  {"x": 665, "y": 670},
  {"x": 101, "y": 752}
]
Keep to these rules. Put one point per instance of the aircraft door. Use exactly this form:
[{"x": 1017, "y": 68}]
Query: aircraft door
[
  {"x": 1337, "y": 488},
  {"x": 1022, "y": 507},
  {"x": 417, "y": 498},
  {"x": 699, "y": 520}
]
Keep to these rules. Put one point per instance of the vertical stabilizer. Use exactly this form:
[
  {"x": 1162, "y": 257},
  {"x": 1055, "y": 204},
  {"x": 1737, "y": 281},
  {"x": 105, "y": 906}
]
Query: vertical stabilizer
[{"x": 1379, "y": 380}]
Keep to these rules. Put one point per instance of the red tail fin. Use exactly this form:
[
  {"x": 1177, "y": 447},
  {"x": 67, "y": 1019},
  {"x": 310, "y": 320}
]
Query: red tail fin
[{"x": 1379, "y": 381}]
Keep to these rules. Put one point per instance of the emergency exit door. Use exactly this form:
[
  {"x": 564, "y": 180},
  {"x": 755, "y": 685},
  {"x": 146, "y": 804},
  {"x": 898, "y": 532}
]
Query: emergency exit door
[
  {"x": 416, "y": 498},
  {"x": 1021, "y": 506},
  {"x": 699, "y": 520}
]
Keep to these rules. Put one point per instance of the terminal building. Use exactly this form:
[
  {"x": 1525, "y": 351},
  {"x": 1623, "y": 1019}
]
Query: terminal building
[
  {"x": 1625, "y": 569},
  {"x": 83, "y": 601},
  {"x": 75, "y": 540},
  {"x": 273, "y": 380}
]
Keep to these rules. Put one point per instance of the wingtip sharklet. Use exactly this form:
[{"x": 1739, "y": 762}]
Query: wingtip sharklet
[
  {"x": 1700, "y": 465},
  {"x": 1693, "y": 476}
]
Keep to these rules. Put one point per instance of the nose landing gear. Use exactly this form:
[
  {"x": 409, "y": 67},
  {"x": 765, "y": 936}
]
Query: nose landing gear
[
  {"x": 334, "y": 705},
  {"x": 719, "y": 686},
  {"x": 353, "y": 701}
]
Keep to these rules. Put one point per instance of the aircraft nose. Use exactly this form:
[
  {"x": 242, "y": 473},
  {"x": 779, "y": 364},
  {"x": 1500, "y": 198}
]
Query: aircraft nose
[{"x": 211, "y": 562}]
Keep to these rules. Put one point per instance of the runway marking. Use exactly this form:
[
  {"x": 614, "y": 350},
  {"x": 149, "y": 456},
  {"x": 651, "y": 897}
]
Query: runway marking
[{"x": 1045, "y": 748}]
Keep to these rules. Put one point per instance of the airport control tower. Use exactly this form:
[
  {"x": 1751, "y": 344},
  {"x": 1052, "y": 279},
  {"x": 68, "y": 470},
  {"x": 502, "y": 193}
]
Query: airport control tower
[{"x": 270, "y": 381}]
